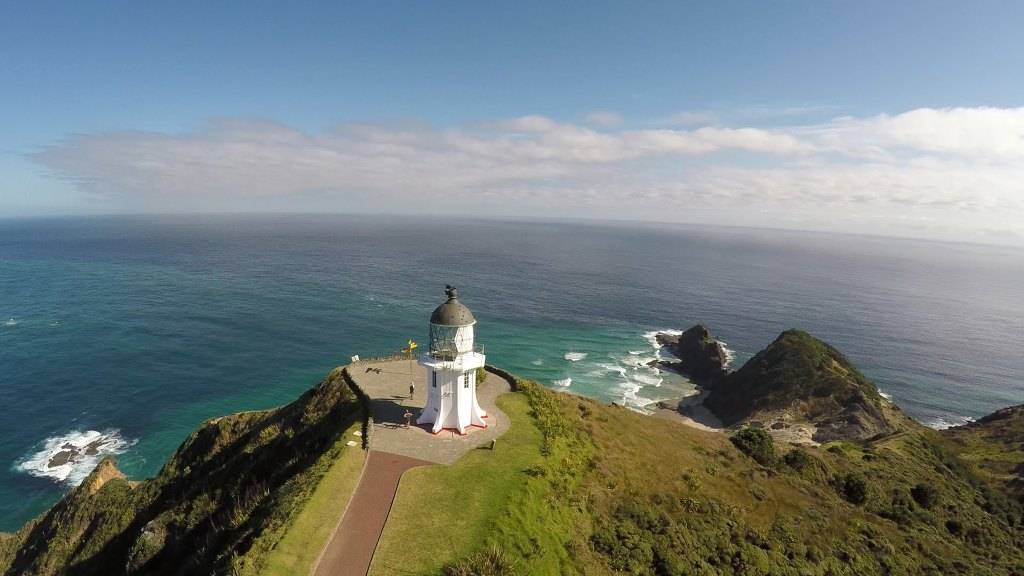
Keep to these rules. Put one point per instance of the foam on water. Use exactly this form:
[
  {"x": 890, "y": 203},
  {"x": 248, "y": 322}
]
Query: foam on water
[
  {"x": 652, "y": 336},
  {"x": 11, "y": 322},
  {"x": 647, "y": 379},
  {"x": 606, "y": 367},
  {"x": 563, "y": 382},
  {"x": 537, "y": 362},
  {"x": 630, "y": 376},
  {"x": 943, "y": 422},
  {"x": 729, "y": 354},
  {"x": 70, "y": 457},
  {"x": 575, "y": 356},
  {"x": 888, "y": 397}
]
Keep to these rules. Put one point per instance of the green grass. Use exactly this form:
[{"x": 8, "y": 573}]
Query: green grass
[
  {"x": 617, "y": 492},
  {"x": 442, "y": 513},
  {"x": 306, "y": 537}
]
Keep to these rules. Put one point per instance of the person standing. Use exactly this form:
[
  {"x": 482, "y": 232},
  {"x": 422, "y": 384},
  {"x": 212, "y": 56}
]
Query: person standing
[{"x": 412, "y": 389}]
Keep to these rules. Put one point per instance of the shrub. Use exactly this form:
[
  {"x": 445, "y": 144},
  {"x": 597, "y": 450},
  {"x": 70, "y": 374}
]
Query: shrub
[
  {"x": 925, "y": 495},
  {"x": 797, "y": 459},
  {"x": 853, "y": 488},
  {"x": 757, "y": 444},
  {"x": 492, "y": 561}
]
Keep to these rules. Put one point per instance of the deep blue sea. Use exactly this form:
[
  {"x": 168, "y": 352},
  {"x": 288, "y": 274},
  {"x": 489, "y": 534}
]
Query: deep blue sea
[{"x": 137, "y": 329}]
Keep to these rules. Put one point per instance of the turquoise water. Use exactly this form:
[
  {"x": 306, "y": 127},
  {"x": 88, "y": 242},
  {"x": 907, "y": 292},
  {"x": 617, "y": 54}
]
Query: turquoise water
[{"x": 140, "y": 328}]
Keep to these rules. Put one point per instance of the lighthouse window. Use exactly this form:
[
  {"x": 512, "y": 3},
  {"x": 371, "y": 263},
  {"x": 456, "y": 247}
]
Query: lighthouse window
[{"x": 465, "y": 380}]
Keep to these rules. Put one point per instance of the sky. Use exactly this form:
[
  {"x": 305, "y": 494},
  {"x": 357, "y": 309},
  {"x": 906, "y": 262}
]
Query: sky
[{"x": 895, "y": 118}]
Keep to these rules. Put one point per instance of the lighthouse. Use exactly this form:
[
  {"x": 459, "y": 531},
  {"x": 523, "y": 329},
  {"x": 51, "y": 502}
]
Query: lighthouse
[{"x": 451, "y": 362}]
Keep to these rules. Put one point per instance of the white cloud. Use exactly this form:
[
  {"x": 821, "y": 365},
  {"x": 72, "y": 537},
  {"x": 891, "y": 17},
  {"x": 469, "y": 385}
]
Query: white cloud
[
  {"x": 983, "y": 133},
  {"x": 956, "y": 169}
]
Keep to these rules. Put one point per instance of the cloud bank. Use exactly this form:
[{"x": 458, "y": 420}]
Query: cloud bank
[{"x": 940, "y": 172}]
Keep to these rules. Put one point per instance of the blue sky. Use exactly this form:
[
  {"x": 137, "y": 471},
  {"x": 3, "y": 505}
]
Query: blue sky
[{"x": 80, "y": 79}]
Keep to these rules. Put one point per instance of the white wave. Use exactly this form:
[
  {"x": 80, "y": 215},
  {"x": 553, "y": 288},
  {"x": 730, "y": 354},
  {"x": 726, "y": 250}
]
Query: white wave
[
  {"x": 636, "y": 352},
  {"x": 630, "y": 398},
  {"x": 647, "y": 379},
  {"x": 11, "y": 322},
  {"x": 652, "y": 339},
  {"x": 575, "y": 356},
  {"x": 620, "y": 370},
  {"x": 564, "y": 382},
  {"x": 729, "y": 354},
  {"x": 943, "y": 422},
  {"x": 537, "y": 362},
  {"x": 888, "y": 397},
  {"x": 633, "y": 360},
  {"x": 652, "y": 336},
  {"x": 71, "y": 457}
]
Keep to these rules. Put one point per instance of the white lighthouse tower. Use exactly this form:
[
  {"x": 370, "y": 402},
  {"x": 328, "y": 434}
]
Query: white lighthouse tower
[{"x": 451, "y": 364}]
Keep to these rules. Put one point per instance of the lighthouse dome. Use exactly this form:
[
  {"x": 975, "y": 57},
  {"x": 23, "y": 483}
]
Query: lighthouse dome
[{"x": 452, "y": 312}]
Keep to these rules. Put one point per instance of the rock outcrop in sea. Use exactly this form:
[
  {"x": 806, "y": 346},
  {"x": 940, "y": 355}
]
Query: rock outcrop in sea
[{"x": 701, "y": 357}]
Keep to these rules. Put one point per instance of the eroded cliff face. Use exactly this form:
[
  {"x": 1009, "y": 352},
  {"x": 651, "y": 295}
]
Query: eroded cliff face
[{"x": 218, "y": 501}]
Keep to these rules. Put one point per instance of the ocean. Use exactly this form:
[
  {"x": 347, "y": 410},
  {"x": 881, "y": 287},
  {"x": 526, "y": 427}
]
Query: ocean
[{"x": 120, "y": 335}]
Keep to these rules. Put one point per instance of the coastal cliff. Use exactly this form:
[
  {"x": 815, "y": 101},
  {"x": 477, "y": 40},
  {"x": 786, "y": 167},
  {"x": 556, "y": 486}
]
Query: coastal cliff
[
  {"x": 218, "y": 503},
  {"x": 585, "y": 488}
]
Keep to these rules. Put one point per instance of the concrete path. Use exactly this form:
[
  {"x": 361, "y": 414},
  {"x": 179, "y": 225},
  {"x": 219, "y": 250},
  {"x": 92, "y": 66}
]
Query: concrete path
[{"x": 351, "y": 547}]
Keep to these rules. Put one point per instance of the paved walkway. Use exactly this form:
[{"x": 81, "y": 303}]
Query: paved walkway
[
  {"x": 351, "y": 547},
  {"x": 394, "y": 448}
]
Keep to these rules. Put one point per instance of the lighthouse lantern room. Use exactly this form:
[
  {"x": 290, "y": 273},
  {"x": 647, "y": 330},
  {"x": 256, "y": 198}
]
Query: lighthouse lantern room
[{"x": 451, "y": 362}]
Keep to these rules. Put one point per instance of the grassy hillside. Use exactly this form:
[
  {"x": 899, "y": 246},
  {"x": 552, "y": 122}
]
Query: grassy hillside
[
  {"x": 619, "y": 492},
  {"x": 574, "y": 487},
  {"x": 218, "y": 506},
  {"x": 995, "y": 444},
  {"x": 810, "y": 381}
]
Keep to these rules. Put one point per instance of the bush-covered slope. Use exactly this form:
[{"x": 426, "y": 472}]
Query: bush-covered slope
[
  {"x": 218, "y": 504},
  {"x": 650, "y": 496},
  {"x": 809, "y": 381},
  {"x": 995, "y": 444}
]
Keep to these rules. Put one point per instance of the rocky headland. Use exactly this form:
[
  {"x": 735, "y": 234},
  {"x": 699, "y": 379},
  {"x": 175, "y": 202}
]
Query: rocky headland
[
  {"x": 798, "y": 388},
  {"x": 607, "y": 490}
]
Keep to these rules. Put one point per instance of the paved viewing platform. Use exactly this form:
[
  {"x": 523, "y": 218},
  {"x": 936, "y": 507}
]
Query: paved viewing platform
[
  {"x": 387, "y": 385},
  {"x": 395, "y": 448}
]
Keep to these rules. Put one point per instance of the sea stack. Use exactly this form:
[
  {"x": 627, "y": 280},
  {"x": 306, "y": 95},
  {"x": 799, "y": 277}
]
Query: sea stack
[
  {"x": 701, "y": 357},
  {"x": 451, "y": 362}
]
